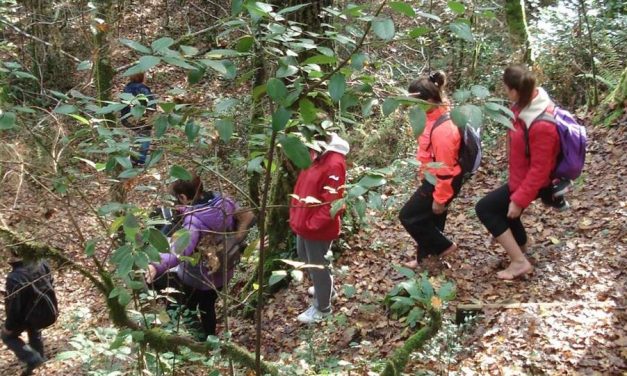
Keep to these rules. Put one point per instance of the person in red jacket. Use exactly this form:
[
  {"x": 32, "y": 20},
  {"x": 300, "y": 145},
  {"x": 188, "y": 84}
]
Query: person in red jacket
[
  {"x": 500, "y": 210},
  {"x": 312, "y": 222},
  {"x": 424, "y": 215}
]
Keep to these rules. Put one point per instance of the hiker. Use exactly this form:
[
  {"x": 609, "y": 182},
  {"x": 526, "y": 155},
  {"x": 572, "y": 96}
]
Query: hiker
[
  {"x": 214, "y": 222},
  {"x": 30, "y": 306},
  {"x": 424, "y": 215},
  {"x": 500, "y": 210},
  {"x": 314, "y": 225},
  {"x": 137, "y": 88}
]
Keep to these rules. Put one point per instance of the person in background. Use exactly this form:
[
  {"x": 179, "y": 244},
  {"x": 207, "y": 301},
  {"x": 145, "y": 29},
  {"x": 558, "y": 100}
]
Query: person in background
[
  {"x": 314, "y": 225},
  {"x": 424, "y": 215},
  {"x": 30, "y": 305},
  {"x": 212, "y": 218},
  {"x": 137, "y": 88},
  {"x": 501, "y": 209}
]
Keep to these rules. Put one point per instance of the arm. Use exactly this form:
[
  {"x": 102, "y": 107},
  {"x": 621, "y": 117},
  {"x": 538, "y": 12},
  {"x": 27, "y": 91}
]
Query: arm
[
  {"x": 170, "y": 260},
  {"x": 544, "y": 147},
  {"x": 244, "y": 219},
  {"x": 13, "y": 304},
  {"x": 445, "y": 142},
  {"x": 335, "y": 177}
]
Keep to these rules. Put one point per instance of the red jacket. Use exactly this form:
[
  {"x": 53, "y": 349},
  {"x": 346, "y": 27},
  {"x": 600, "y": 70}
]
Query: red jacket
[
  {"x": 441, "y": 145},
  {"x": 528, "y": 175},
  {"x": 324, "y": 181}
]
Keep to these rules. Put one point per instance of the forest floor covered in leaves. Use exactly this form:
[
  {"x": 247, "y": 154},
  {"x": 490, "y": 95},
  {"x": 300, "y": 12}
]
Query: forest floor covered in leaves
[{"x": 573, "y": 320}]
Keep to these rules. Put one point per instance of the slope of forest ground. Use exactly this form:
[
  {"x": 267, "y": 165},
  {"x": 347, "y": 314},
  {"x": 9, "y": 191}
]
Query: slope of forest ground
[{"x": 574, "y": 324}]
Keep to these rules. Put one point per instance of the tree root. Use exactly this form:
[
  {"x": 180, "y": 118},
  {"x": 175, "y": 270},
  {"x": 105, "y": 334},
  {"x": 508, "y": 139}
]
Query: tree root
[{"x": 397, "y": 362}]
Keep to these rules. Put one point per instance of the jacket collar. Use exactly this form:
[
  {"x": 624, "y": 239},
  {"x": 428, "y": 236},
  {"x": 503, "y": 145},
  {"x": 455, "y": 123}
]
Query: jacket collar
[{"x": 538, "y": 105}]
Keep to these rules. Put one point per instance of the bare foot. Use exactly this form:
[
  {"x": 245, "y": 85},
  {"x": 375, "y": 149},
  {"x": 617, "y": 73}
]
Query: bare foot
[
  {"x": 413, "y": 264},
  {"x": 516, "y": 269},
  {"x": 449, "y": 251}
]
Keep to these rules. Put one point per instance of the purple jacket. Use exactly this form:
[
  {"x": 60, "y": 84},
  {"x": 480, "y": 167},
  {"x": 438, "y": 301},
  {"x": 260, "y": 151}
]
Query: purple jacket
[{"x": 216, "y": 215}]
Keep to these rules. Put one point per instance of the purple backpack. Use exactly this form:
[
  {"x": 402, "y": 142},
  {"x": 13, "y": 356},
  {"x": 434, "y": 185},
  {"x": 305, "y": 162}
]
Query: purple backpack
[{"x": 573, "y": 141}]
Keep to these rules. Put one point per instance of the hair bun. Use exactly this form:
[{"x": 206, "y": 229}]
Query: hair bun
[{"x": 438, "y": 78}]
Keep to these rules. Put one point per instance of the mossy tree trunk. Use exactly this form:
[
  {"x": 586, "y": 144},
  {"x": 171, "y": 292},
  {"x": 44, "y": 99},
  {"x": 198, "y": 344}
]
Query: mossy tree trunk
[
  {"x": 614, "y": 106},
  {"x": 517, "y": 25}
]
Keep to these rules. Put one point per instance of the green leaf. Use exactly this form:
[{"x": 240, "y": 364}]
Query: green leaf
[
  {"x": 277, "y": 276},
  {"x": 496, "y": 107},
  {"x": 307, "y": 110},
  {"x": 189, "y": 50},
  {"x": 236, "y": 7},
  {"x": 293, "y": 8},
  {"x": 337, "y": 205},
  {"x": 131, "y": 227},
  {"x": 158, "y": 240},
  {"x": 20, "y": 74},
  {"x": 447, "y": 291},
  {"x": 153, "y": 158},
  {"x": 462, "y": 30},
  {"x": 84, "y": 65},
  {"x": 280, "y": 118},
  {"x": 162, "y": 43},
  {"x": 403, "y": 8},
  {"x": 191, "y": 130},
  {"x": 462, "y": 95},
  {"x": 90, "y": 247},
  {"x": 430, "y": 178},
  {"x": 136, "y": 46},
  {"x": 457, "y": 7},
  {"x": 426, "y": 286},
  {"x": 358, "y": 60},
  {"x": 320, "y": 60},
  {"x": 418, "y": 32},
  {"x": 180, "y": 240},
  {"x": 179, "y": 172},
  {"x": 296, "y": 151},
  {"x": 225, "y": 105},
  {"x": 337, "y": 86},
  {"x": 7, "y": 120},
  {"x": 27, "y": 110},
  {"x": 194, "y": 76},
  {"x": 371, "y": 181},
  {"x": 501, "y": 119},
  {"x": 416, "y": 314},
  {"x": 480, "y": 92},
  {"x": 225, "y": 129},
  {"x": 178, "y": 62},
  {"x": 244, "y": 44},
  {"x": 467, "y": 114},
  {"x": 286, "y": 71},
  {"x": 161, "y": 126},
  {"x": 148, "y": 61},
  {"x": 389, "y": 106},
  {"x": 276, "y": 89},
  {"x": 349, "y": 291},
  {"x": 418, "y": 120},
  {"x": 113, "y": 107},
  {"x": 65, "y": 109},
  {"x": 384, "y": 28}
]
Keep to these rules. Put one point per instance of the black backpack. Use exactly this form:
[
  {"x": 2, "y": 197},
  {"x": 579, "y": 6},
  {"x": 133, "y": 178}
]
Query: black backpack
[
  {"x": 469, "y": 157},
  {"x": 42, "y": 309}
]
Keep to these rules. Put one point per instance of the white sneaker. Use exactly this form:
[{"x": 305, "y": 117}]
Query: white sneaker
[
  {"x": 312, "y": 315},
  {"x": 312, "y": 290}
]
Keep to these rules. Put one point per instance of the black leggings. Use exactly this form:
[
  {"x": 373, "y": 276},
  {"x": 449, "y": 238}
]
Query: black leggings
[
  {"x": 492, "y": 212},
  {"x": 422, "y": 224},
  {"x": 203, "y": 300},
  {"x": 25, "y": 353}
]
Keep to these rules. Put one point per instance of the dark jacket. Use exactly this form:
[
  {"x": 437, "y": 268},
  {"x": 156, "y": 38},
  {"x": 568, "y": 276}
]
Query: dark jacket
[
  {"x": 29, "y": 296},
  {"x": 136, "y": 88}
]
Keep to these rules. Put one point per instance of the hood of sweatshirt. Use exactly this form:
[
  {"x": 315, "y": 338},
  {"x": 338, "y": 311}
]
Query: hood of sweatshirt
[
  {"x": 538, "y": 104},
  {"x": 337, "y": 144}
]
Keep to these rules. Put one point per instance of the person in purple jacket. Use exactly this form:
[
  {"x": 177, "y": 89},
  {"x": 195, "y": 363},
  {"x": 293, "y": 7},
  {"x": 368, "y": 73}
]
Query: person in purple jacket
[{"x": 214, "y": 219}]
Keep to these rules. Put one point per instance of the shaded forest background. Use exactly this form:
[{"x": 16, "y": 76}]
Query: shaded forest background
[{"x": 239, "y": 87}]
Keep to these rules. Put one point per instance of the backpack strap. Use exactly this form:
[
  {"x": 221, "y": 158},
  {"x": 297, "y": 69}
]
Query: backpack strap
[
  {"x": 546, "y": 115},
  {"x": 441, "y": 120}
]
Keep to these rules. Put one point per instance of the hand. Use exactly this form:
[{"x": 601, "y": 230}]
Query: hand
[
  {"x": 151, "y": 274},
  {"x": 438, "y": 208},
  {"x": 513, "y": 211}
]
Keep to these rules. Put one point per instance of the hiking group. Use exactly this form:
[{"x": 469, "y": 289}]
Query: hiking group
[{"x": 546, "y": 149}]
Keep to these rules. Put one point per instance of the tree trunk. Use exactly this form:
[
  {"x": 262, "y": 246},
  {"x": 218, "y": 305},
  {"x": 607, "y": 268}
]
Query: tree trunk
[{"x": 517, "y": 24}]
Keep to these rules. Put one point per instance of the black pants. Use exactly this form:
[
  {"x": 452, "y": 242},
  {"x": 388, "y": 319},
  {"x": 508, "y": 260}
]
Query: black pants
[
  {"x": 422, "y": 224},
  {"x": 30, "y": 353},
  {"x": 492, "y": 212},
  {"x": 193, "y": 299}
]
